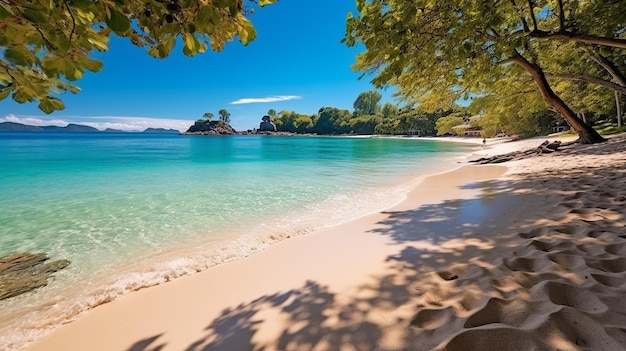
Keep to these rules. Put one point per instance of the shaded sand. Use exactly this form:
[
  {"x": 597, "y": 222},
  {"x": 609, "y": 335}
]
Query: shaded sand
[{"x": 475, "y": 259}]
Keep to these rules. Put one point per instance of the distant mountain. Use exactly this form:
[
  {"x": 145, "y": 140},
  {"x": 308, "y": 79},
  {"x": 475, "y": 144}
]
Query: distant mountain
[
  {"x": 18, "y": 127},
  {"x": 161, "y": 130},
  {"x": 71, "y": 128}
]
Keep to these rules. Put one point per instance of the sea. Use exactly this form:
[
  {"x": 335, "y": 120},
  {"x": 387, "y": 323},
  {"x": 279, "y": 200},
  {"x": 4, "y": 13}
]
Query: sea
[{"x": 133, "y": 210}]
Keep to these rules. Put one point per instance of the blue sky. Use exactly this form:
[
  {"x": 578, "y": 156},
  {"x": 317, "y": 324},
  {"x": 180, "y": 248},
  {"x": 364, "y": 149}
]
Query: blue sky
[{"x": 297, "y": 60}]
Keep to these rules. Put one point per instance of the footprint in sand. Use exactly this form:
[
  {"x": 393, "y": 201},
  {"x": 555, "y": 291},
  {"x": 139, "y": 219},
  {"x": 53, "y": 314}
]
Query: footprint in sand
[
  {"x": 431, "y": 319},
  {"x": 570, "y": 295},
  {"x": 614, "y": 265},
  {"x": 527, "y": 264},
  {"x": 542, "y": 245},
  {"x": 609, "y": 280},
  {"x": 569, "y": 261},
  {"x": 590, "y": 249},
  {"x": 570, "y": 326},
  {"x": 495, "y": 311},
  {"x": 534, "y": 233},
  {"x": 546, "y": 246},
  {"x": 509, "y": 339},
  {"x": 574, "y": 230},
  {"x": 618, "y": 249},
  {"x": 462, "y": 271}
]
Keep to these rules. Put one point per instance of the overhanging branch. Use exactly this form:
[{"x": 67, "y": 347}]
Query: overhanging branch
[
  {"x": 590, "y": 79},
  {"x": 581, "y": 38}
]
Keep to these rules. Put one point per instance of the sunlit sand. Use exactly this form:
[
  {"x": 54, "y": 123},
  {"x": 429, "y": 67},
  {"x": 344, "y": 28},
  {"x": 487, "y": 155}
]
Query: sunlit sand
[{"x": 529, "y": 255}]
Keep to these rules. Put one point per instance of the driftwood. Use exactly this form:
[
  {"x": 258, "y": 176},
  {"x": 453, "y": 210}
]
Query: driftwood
[
  {"x": 23, "y": 272},
  {"x": 544, "y": 148}
]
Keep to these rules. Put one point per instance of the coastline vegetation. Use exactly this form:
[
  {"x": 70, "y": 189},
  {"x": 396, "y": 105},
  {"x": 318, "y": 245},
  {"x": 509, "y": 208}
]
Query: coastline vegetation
[{"x": 511, "y": 59}]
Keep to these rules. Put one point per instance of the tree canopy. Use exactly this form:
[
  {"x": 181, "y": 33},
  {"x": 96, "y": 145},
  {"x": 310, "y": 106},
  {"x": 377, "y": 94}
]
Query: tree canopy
[
  {"x": 438, "y": 51},
  {"x": 224, "y": 115},
  {"x": 367, "y": 103},
  {"x": 46, "y": 45}
]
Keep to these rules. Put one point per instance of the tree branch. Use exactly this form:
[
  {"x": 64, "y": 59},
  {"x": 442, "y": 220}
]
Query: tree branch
[
  {"x": 69, "y": 10},
  {"x": 609, "y": 66},
  {"x": 590, "y": 79},
  {"x": 524, "y": 23},
  {"x": 561, "y": 16},
  {"x": 581, "y": 38},
  {"x": 531, "y": 6}
]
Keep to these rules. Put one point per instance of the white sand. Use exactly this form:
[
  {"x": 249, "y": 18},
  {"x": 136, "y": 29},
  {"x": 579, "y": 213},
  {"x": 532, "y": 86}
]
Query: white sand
[{"x": 475, "y": 259}]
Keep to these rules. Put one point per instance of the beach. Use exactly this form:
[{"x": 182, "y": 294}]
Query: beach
[{"x": 525, "y": 255}]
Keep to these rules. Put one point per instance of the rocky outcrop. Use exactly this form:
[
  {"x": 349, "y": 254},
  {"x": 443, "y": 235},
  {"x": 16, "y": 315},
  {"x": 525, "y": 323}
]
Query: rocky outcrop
[
  {"x": 267, "y": 125},
  {"x": 210, "y": 128},
  {"x": 23, "y": 272}
]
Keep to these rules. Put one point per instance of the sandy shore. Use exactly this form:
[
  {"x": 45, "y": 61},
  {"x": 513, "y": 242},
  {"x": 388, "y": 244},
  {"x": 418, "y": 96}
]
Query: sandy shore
[{"x": 526, "y": 256}]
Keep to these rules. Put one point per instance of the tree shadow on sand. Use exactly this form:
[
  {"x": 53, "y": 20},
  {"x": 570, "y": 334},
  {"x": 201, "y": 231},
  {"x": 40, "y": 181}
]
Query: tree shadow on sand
[{"x": 447, "y": 289}]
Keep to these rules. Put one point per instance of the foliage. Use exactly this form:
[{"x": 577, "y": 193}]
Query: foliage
[
  {"x": 445, "y": 125},
  {"x": 367, "y": 103},
  {"x": 48, "y": 44},
  {"x": 224, "y": 116},
  {"x": 332, "y": 120},
  {"x": 611, "y": 129},
  {"x": 293, "y": 122},
  {"x": 364, "y": 124},
  {"x": 208, "y": 116},
  {"x": 435, "y": 52},
  {"x": 390, "y": 120}
]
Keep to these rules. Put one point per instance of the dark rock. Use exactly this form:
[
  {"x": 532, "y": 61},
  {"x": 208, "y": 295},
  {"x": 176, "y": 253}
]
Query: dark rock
[
  {"x": 209, "y": 128},
  {"x": 267, "y": 125},
  {"x": 23, "y": 272}
]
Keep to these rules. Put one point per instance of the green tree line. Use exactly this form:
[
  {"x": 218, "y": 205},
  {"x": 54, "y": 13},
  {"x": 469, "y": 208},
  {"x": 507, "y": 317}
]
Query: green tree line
[{"x": 369, "y": 116}]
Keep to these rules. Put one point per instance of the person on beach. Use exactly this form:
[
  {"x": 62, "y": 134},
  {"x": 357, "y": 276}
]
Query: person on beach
[{"x": 484, "y": 142}]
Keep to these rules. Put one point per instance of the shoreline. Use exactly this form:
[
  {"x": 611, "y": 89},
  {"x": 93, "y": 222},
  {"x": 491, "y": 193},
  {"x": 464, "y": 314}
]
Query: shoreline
[
  {"x": 361, "y": 292},
  {"x": 63, "y": 304}
]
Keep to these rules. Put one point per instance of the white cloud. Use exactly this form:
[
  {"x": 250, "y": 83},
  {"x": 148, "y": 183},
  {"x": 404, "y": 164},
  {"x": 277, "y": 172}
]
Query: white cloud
[
  {"x": 266, "y": 99},
  {"x": 34, "y": 121},
  {"x": 104, "y": 122}
]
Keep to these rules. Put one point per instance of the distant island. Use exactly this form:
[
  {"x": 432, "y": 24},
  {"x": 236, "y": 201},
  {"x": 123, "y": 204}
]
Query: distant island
[{"x": 73, "y": 128}]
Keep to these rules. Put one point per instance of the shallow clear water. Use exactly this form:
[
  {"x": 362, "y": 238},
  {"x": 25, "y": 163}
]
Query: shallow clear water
[{"x": 132, "y": 210}]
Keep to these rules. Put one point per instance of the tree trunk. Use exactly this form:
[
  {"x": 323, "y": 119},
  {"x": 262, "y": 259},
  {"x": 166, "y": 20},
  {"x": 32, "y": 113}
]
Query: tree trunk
[
  {"x": 618, "y": 106},
  {"x": 586, "y": 134}
]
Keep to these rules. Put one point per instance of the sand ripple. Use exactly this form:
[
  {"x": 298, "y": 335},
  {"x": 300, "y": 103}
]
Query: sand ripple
[{"x": 563, "y": 286}]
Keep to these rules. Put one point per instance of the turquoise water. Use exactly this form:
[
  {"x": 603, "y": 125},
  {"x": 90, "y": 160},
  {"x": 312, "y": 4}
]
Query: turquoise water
[{"x": 133, "y": 210}]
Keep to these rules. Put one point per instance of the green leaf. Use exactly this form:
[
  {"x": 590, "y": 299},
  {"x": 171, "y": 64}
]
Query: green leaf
[
  {"x": 35, "y": 16},
  {"x": 99, "y": 45},
  {"x": 92, "y": 65},
  {"x": 60, "y": 41},
  {"x": 5, "y": 11},
  {"x": 19, "y": 55},
  {"x": 118, "y": 22},
  {"x": 4, "y": 93},
  {"x": 190, "y": 42},
  {"x": 50, "y": 104}
]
